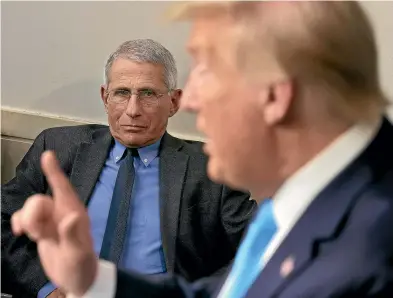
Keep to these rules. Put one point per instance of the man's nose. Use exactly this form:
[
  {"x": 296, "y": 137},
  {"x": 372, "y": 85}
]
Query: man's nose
[{"x": 134, "y": 108}]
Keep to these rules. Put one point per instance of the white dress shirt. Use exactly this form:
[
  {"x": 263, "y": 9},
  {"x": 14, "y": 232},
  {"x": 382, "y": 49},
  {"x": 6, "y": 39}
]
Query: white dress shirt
[{"x": 290, "y": 201}]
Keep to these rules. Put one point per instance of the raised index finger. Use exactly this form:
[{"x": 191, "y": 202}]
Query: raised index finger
[{"x": 63, "y": 192}]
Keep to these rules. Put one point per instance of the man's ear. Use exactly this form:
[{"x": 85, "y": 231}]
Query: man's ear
[
  {"x": 277, "y": 100},
  {"x": 104, "y": 96},
  {"x": 175, "y": 101}
]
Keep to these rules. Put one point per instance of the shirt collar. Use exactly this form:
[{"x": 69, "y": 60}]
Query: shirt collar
[
  {"x": 147, "y": 154},
  {"x": 297, "y": 193}
]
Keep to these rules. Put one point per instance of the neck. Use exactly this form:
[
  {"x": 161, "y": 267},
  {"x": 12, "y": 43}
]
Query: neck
[
  {"x": 309, "y": 130},
  {"x": 298, "y": 146},
  {"x": 307, "y": 143}
]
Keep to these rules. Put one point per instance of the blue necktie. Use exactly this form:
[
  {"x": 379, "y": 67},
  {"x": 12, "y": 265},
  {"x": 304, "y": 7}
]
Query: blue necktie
[
  {"x": 116, "y": 227},
  {"x": 247, "y": 265}
]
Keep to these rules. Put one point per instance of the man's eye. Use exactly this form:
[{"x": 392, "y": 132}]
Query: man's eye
[
  {"x": 122, "y": 93},
  {"x": 147, "y": 93}
]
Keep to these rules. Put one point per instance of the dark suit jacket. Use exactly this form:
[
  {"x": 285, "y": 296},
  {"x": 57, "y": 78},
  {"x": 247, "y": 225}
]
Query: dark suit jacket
[
  {"x": 201, "y": 222},
  {"x": 342, "y": 246}
]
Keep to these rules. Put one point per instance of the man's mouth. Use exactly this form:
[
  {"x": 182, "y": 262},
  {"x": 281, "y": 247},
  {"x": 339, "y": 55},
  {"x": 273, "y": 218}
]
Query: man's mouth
[{"x": 133, "y": 127}]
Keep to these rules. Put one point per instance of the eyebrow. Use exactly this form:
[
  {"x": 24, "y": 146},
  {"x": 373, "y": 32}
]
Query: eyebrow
[{"x": 143, "y": 87}]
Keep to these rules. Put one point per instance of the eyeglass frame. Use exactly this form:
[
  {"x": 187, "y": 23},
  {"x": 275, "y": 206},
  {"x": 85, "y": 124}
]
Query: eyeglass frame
[{"x": 132, "y": 92}]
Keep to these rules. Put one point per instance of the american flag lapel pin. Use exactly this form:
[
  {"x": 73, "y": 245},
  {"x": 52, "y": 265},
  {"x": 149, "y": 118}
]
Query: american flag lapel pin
[{"x": 287, "y": 266}]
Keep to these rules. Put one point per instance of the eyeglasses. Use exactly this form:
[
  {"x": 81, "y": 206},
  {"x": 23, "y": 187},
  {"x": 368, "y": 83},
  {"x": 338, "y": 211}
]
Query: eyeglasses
[{"x": 146, "y": 97}]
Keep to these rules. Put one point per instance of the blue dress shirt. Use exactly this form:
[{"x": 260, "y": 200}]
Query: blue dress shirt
[{"x": 143, "y": 245}]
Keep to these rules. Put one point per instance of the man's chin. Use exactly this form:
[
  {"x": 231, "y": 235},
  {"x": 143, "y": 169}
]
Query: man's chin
[
  {"x": 213, "y": 170},
  {"x": 216, "y": 173},
  {"x": 220, "y": 175},
  {"x": 134, "y": 140}
]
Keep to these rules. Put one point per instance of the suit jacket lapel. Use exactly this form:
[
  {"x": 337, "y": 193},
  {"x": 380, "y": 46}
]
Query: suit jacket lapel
[
  {"x": 314, "y": 228},
  {"x": 301, "y": 245},
  {"x": 173, "y": 167},
  {"x": 89, "y": 162}
]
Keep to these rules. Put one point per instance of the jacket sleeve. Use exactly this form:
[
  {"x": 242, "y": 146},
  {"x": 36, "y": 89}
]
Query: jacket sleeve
[
  {"x": 114, "y": 283},
  {"x": 19, "y": 254},
  {"x": 134, "y": 285},
  {"x": 237, "y": 210}
]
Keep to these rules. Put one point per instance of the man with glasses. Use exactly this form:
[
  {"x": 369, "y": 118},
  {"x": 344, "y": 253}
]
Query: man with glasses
[{"x": 152, "y": 208}]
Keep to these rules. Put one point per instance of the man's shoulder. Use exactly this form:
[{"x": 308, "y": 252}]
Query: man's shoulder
[
  {"x": 376, "y": 204},
  {"x": 368, "y": 222},
  {"x": 374, "y": 172},
  {"x": 193, "y": 148},
  {"x": 371, "y": 210},
  {"x": 367, "y": 243},
  {"x": 77, "y": 133}
]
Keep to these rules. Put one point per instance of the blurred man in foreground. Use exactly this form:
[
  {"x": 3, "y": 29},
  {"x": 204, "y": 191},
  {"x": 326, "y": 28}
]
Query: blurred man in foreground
[{"x": 300, "y": 83}]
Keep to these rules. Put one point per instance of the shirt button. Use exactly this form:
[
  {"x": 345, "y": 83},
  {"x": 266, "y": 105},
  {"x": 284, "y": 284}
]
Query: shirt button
[
  {"x": 145, "y": 160},
  {"x": 117, "y": 157}
]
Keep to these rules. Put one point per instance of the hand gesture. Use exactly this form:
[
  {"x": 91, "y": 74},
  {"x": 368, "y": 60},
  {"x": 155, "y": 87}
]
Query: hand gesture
[{"x": 60, "y": 227}]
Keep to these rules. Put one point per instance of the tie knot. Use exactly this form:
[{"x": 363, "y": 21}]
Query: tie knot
[{"x": 133, "y": 152}]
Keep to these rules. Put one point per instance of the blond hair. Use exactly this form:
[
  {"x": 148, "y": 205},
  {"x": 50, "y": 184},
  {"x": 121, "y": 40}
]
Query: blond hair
[{"x": 325, "y": 43}]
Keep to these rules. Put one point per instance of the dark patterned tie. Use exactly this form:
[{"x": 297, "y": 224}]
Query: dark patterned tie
[{"x": 116, "y": 227}]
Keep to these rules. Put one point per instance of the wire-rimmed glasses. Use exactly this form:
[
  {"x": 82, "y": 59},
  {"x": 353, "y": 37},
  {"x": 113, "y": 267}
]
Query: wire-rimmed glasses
[{"x": 146, "y": 97}]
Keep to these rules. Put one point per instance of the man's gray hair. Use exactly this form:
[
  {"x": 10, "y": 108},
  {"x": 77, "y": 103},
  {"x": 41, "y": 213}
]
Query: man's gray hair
[{"x": 146, "y": 50}]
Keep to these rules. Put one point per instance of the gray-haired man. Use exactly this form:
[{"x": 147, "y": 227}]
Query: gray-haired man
[{"x": 151, "y": 205}]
